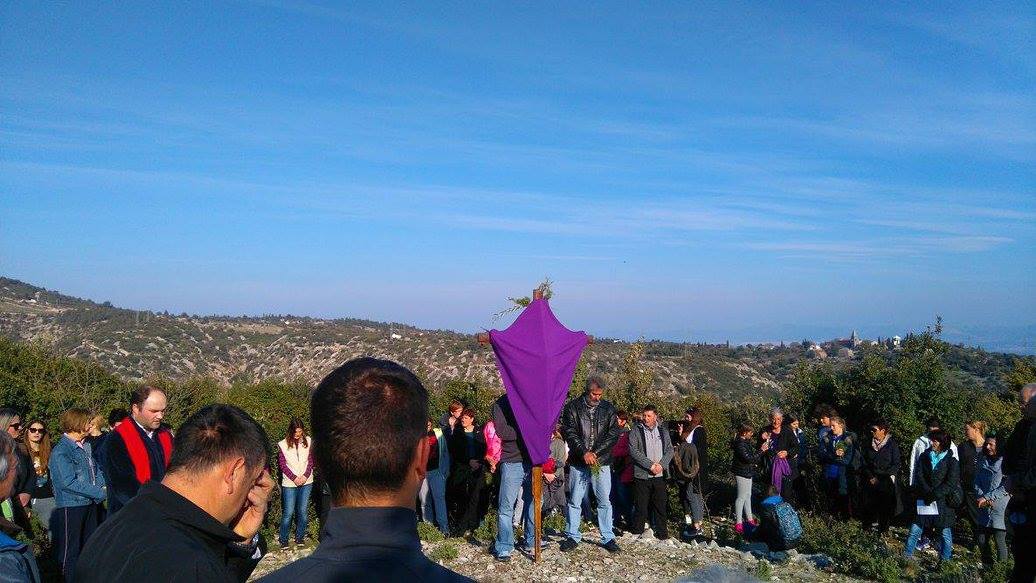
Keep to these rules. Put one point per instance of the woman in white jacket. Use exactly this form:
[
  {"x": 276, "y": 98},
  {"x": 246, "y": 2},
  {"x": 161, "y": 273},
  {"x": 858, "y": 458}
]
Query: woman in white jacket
[{"x": 295, "y": 458}]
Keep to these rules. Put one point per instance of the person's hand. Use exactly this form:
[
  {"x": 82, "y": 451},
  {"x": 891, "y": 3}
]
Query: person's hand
[
  {"x": 765, "y": 446},
  {"x": 874, "y": 481},
  {"x": 251, "y": 518},
  {"x": 656, "y": 469},
  {"x": 299, "y": 480},
  {"x": 782, "y": 454},
  {"x": 982, "y": 502},
  {"x": 549, "y": 477},
  {"x": 475, "y": 464},
  {"x": 452, "y": 421},
  {"x": 765, "y": 435},
  {"x": 492, "y": 466},
  {"x": 590, "y": 458},
  {"x": 840, "y": 452}
]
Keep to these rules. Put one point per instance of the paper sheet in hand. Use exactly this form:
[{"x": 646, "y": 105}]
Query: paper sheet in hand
[{"x": 927, "y": 509}]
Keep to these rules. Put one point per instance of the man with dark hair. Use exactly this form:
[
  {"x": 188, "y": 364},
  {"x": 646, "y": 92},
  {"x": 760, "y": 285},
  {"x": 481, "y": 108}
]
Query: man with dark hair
[
  {"x": 651, "y": 449},
  {"x": 117, "y": 416},
  {"x": 201, "y": 522},
  {"x": 369, "y": 421},
  {"x": 589, "y": 426},
  {"x": 138, "y": 449}
]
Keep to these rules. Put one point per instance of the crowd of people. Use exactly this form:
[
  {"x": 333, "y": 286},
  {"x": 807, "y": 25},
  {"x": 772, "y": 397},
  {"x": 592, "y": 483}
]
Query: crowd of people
[{"x": 138, "y": 502}]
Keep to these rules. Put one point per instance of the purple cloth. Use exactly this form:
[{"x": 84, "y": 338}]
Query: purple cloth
[
  {"x": 537, "y": 358},
  {"x": 781, "y": 469}
]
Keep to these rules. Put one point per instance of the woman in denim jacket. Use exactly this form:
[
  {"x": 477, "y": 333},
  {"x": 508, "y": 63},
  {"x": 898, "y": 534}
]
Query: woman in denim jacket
[{"x": 79, "y": 488}]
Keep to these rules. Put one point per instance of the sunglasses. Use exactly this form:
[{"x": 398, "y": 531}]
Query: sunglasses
[
  {"x": 15, "y": 426},
  {"x": 36, "y": 430}
]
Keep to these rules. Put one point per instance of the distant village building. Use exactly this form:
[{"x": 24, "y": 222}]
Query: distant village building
[
  {"x": 815, "y": 351},
  {"x": 846, "y": 353}
]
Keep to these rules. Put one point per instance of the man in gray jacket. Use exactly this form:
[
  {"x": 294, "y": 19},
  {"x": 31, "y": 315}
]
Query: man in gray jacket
[{"x": 651, "y": 450}]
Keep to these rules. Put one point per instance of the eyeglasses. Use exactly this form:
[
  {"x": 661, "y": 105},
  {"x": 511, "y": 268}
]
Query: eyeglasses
[{"x": 36, "y": 430}]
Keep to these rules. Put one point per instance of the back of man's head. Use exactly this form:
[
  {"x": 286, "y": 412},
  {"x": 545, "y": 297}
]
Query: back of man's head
[
  {"x": 116, "y": 416},
  {"x": 215, "y": 434},
  {"x": 368, "y": 418},
  {"x": 1028, "y": 394}
]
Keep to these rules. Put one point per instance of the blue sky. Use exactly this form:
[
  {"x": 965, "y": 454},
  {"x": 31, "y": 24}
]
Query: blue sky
[{"x": 680, "y": 170}]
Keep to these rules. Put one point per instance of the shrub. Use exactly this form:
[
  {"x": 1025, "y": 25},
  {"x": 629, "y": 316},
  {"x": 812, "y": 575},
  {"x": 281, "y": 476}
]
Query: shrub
[
  {"x": 487, "y": 530},
  {"x": 855, "y": 551},
  {"x": 429, "y": 533},
  {"x": 763, "y": 570},
  {"x": 444, "y": 551},
  {"x": 998, "y": 572},
  {"x": 554, "y": 521}
]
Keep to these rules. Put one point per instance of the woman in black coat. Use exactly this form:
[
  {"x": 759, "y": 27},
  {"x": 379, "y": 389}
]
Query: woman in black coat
[
  {"x": 466, "y": 489},
  {"x": 745, "y": 466},
  {"x": 937, "y": 489},
  {"x": 881, "y": 464}
]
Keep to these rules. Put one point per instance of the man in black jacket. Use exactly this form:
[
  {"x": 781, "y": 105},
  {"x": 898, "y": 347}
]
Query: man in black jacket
[
  {"x": 137, "y": 450},
  {"x": 1020, "y": 473},
  {"x": 369, "y": 420},
  {"x": 201, "y": 522},
  {"x": 588, "y": 425}
]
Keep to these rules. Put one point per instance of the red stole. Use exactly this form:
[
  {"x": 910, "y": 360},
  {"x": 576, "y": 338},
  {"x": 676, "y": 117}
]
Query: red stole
[{"x": 128, "y": 430}]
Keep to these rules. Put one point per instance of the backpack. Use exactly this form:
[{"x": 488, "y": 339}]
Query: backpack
[{"x": 787, "y": 526}]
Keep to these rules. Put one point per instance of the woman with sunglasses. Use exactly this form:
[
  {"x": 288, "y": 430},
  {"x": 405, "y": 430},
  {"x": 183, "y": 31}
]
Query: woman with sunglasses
[
  {"x": 25, "y": 477},
  {"x": 37, "y": 442}
]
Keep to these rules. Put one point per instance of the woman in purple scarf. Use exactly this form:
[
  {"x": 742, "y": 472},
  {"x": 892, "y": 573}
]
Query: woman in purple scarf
[{"x": 783, "y": 452}]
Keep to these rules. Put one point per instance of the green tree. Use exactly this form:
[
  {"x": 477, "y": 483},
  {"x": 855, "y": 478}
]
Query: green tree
[
  {"x": 635, "y": 379},
  {"x": 1022, "y": 372}
]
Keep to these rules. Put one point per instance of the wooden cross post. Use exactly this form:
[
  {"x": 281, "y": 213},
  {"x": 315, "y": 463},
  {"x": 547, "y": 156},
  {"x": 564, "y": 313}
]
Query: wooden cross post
[{"x": 537, "y": 471}]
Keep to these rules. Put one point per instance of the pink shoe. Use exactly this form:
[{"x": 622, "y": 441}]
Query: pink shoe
[{"x": 739, "y": 528}]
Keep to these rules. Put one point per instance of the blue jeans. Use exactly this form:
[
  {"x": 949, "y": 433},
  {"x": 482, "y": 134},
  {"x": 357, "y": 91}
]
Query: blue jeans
[
  {"x": 915, "y": 535},
  {"x": 294, "y": 501},
  {"x": 434, "y": 501},
  {"x": 513, "y": 475},
  {"x": 582, "y": 478}
]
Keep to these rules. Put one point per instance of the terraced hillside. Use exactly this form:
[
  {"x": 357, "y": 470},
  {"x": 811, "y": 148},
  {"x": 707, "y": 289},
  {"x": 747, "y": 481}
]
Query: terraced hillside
[{"x": 138, "y": 345}]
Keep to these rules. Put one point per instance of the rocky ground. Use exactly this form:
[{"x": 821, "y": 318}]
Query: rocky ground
[{"x": 643, "y": 558}]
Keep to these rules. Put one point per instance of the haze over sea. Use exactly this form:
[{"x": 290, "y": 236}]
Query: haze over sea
[{"x": 700, "y": 172}]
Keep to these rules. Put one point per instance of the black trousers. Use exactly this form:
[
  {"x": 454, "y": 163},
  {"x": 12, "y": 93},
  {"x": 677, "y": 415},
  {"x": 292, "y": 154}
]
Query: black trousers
[
  {"x": 649, "y": 495},
  {"x": 70, "y": 528},
  {"x": 1022, "y": 546},
  {"x": 880, "y": 501}
]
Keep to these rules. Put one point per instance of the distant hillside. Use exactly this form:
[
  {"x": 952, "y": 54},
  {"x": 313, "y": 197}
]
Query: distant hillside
[{"x": 140, "y": 344}]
